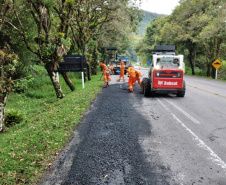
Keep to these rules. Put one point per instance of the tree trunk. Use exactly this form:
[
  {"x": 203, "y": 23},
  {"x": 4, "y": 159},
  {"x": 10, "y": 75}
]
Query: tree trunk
[
  {"x": 213, "y": 72},
  {"x": 50, "y": 69},
  {"x": 88, "y": 71},
  {"x": 68, "y": 81},
  {"x": 208, "y": 69},
  {"x": 94, "y": 62},
  {"x": 3, "y": 98},
  {"x": 103, "y": 52},
  {"x": 212, "y": 53},
  {"x": 191, "y": 56}
]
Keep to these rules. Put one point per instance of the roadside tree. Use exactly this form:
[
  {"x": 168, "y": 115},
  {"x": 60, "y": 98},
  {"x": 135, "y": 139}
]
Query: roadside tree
[
  {"x": 49, "y": 41},
  {"x": 101, "y": 22},
  {"x": 8, "y": 64},
  {"x": 213, "y": 35},
  {"x": 196, "y": 24}
]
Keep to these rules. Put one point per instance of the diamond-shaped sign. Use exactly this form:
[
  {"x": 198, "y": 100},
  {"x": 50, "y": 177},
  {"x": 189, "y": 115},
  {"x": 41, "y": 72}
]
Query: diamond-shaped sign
[{"x": 217, "y": 64}]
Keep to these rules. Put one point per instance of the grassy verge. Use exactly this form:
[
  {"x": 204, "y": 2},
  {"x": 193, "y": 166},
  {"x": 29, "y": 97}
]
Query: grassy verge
[{"x": 29, "y": 147}]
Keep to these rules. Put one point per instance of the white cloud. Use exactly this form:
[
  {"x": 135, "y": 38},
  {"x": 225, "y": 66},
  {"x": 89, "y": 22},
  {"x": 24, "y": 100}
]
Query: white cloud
[{"x": 159, "y": 6}]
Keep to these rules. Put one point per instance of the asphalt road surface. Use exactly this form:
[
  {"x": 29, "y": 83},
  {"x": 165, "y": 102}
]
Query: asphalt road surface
[{"x": 126, "y": 138}]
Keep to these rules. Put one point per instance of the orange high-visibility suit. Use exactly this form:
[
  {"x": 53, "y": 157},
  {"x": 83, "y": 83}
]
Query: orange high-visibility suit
[
  {"x": 108, "y": 78},
  {"x": 121, "y": 75},
  {"x": 138, "y": 75},
  {"x": 106, "y": 74},
  {"x": 132, "y": 78},
  {"x": 112, "y": 69}
]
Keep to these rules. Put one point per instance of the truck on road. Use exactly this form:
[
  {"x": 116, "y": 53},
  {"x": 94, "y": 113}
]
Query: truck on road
[
  {"x": 166, "y": 73},
  {"x": 117, "y": 64}
]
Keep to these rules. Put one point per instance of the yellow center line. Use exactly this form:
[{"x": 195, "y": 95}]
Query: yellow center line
[{"x": 216, "y": 94}]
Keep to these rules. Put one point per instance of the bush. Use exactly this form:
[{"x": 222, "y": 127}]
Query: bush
[
  {"x": 188, "y": 70},
  {"x": 13, "y": 117},
  {"x": 200, "y": 72},
  {"x": 22, "y": 85}
]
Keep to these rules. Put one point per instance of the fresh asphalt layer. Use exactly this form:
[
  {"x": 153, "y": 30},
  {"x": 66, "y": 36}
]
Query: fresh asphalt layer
[{"x": 105, "y": 148}]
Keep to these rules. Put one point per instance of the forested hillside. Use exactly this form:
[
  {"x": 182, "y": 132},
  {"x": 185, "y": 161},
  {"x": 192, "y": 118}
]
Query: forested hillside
[{"x": 147, "y": 17}]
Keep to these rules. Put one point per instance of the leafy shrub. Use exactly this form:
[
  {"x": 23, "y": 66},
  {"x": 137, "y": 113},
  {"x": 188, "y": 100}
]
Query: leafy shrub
[
  {"x": 22, "y": 85},
  {"x": 13, "y": 117},
  {"x": 200, "y": 72},
  {"x": 188, "y": 70}
]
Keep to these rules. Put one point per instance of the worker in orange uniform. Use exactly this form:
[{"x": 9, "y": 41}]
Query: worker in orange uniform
[
  {"x": 108, "y": 78},
  {"x": 121, "y": 75},
  {"x": 132, "y": 77},
  {"x": 138, "y": 75},
  {"x": 106, "y": 74},
  {"x": 112, "y": 69}
]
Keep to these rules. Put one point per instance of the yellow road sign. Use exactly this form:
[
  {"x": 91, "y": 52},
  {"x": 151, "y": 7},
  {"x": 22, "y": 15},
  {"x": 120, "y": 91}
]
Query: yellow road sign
[{"x": 217, "y": 64}]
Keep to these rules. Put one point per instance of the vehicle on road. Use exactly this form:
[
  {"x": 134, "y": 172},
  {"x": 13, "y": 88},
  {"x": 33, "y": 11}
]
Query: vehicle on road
[
  {"x": 117, "y": 64},
  {"x": 166, "y": 73},
  {"x": 126, "y": 61}
]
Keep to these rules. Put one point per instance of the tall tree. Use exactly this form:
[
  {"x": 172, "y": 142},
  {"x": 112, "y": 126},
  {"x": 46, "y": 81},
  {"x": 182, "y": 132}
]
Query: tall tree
[
  {"x": 89, "y": 17},
  {"x": 8, "y": 64},
  {"x": 119, "y": 32},
  {"x": 99, "y": 20},
  {"x": 213, "y": 35},
  {"x": 183, "y": 27},
  {"x": 190, "y": 25},
  {"x": 50, "y": 41}
]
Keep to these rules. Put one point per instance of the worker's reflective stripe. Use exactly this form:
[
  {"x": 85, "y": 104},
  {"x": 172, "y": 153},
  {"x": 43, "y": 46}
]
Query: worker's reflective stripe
[
  {"x": 131, "y": 71},
  {"x": 130, "y": 86}
]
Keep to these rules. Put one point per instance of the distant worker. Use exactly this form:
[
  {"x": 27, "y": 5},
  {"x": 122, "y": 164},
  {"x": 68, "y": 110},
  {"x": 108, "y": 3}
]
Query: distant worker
[
  {"x": 121, "y": 75},
  {"x": 106, "y": 74},
  {"x": 138, "y": 75},
  {"x": 132, "y": 77},
  {"x": 108, "y": 78},
  {"x": 112, "y": 69}
]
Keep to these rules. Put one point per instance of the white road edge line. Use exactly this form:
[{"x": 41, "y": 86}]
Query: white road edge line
[
  {"x": 183, "y": 112},
  {"x": 213, "y": 156}
]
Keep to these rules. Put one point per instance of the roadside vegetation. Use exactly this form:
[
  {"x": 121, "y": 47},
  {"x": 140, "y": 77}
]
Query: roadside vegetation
[
  {"x": 30, "y": 146},
  {"x": 41, "y": 32},
  {"x": 197, "y": 29}
]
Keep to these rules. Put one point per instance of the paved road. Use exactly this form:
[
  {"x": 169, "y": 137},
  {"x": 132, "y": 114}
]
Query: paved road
[{"x": 126, "y": 138}]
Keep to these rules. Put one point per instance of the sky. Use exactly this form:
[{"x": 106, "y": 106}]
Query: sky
[{"x": 159, "y": 6}]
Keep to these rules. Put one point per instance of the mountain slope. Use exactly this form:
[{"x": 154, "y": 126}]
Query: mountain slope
[{"x": 148, "y": 16}]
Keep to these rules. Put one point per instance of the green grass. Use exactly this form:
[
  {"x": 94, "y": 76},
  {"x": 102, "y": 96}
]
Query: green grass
[{"x": 28, "y": 148}]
